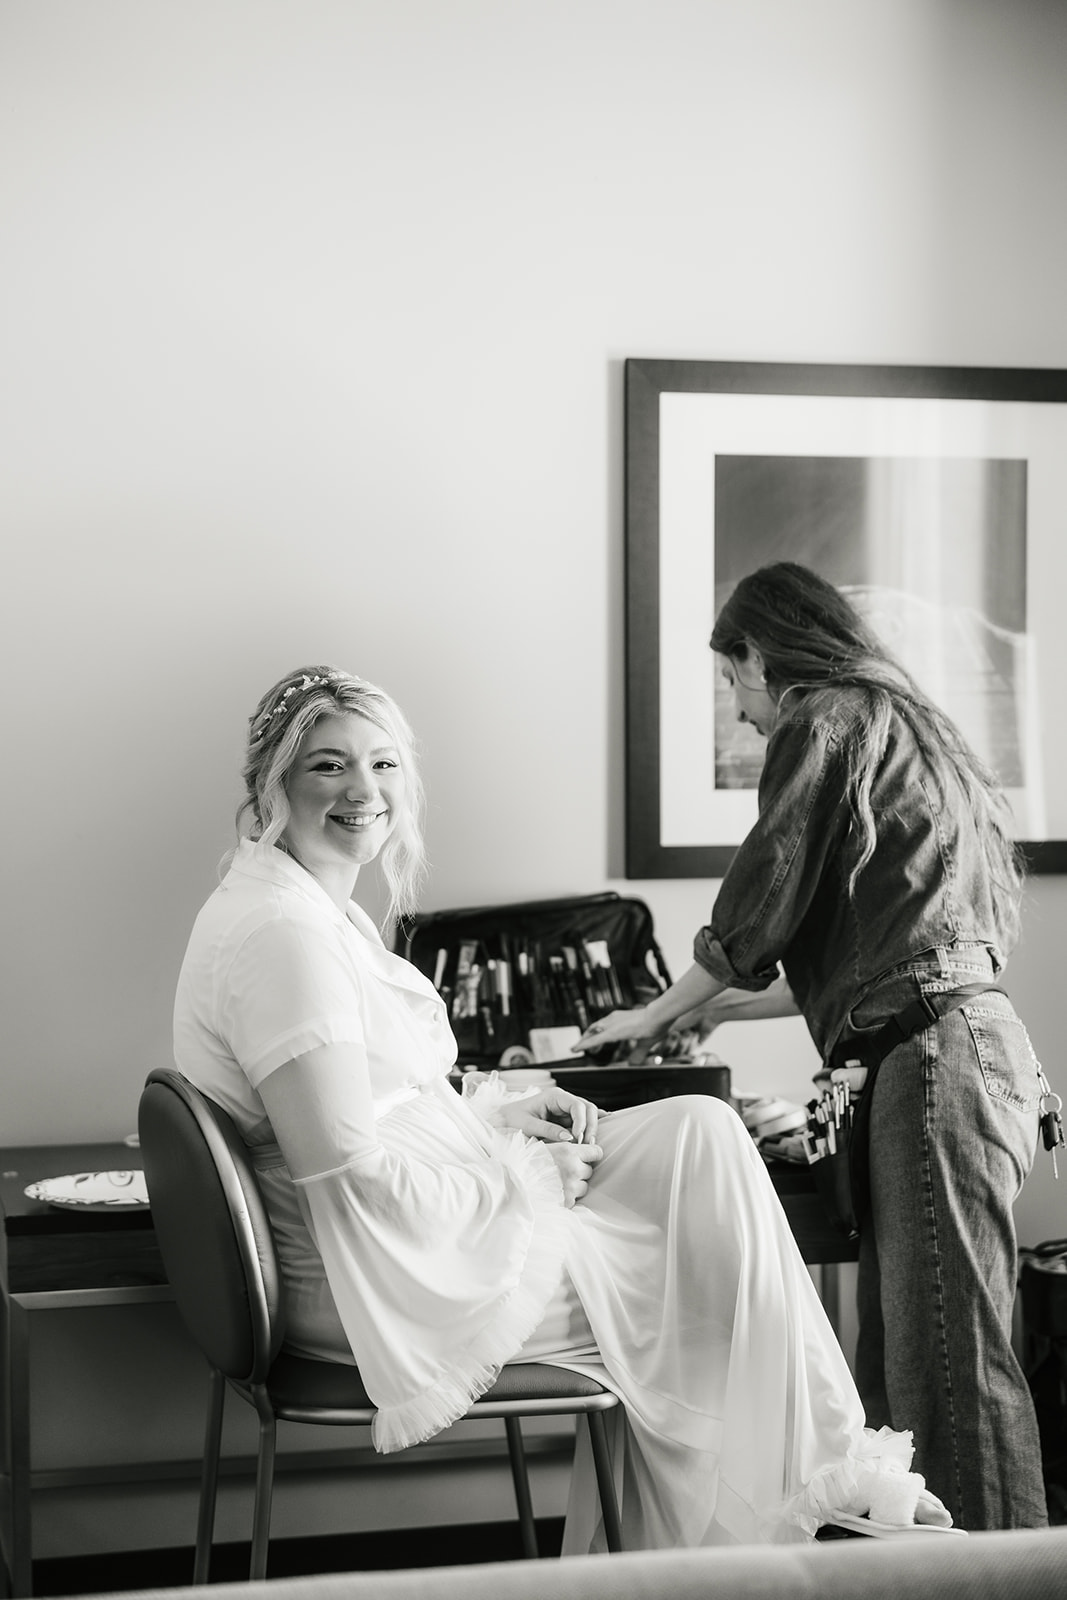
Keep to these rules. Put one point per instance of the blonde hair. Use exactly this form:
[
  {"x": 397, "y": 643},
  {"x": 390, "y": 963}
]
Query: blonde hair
[{"x": 276, "y": 730}]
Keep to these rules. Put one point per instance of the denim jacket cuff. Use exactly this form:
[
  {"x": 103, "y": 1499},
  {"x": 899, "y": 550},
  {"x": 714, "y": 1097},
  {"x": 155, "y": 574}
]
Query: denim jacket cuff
[{"x": 708, "y": 953}]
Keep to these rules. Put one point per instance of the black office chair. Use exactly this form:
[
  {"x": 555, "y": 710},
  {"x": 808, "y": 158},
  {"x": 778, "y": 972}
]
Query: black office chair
[{"x": 218, "y": 1250}]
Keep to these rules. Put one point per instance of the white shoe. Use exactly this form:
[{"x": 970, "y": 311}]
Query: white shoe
[{"x": 888, "y": 1530}]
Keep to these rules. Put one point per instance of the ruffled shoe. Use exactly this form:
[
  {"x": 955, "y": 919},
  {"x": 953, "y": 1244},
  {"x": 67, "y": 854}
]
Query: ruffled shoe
[{"x": 889, "y": 1501}]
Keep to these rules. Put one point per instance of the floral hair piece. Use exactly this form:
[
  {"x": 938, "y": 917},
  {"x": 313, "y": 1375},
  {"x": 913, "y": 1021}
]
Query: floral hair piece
[{"x": 279, "y": 710}]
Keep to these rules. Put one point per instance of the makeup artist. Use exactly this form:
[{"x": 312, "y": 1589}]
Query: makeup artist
[{"x": 881, "y": 879}]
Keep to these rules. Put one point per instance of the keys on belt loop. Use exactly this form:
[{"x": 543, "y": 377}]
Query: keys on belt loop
[
  {"x": 1052, "y": 1128},
  {"x": 1051, "y": 1121}
]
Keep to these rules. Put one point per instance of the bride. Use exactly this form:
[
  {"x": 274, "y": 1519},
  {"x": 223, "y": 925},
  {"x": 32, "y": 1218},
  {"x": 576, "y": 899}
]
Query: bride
[{"x": 432, "y": 1237}]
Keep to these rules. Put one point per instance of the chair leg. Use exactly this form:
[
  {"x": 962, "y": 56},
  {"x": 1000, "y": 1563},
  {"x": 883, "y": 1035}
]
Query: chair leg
[
  {"x": 521, "y": 1479},
  {"x": 209, "y": 1478},
  {"x": 268, "y": 1434},
  {"x": 609, "y": 1505}
]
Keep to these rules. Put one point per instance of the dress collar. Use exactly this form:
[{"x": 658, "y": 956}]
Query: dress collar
[
  {"x": 268, "y": 864},
  {"x": 254, "y": 859}
]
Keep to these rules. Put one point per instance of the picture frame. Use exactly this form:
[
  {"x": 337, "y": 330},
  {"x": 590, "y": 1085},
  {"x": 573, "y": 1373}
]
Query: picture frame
[{"x": 936, "y": 496}]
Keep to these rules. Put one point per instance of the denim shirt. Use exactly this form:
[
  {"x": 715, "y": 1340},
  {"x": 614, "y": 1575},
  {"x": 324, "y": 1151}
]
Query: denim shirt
[{"x": 785, "y": 896}]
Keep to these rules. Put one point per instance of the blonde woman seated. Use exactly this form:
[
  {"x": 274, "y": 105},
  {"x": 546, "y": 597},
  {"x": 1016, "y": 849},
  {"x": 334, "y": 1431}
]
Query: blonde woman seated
[{"x": 431, "y": 1237}]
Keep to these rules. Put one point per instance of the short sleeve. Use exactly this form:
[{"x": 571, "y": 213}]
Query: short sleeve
[{"x": 292, "y": 985}]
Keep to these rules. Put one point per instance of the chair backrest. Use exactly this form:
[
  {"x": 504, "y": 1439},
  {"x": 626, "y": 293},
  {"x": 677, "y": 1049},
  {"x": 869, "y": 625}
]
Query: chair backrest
[{"x": 212, "y": 1226}]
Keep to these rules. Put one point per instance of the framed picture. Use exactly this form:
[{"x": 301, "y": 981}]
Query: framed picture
[{"x": 936, "y": 497}]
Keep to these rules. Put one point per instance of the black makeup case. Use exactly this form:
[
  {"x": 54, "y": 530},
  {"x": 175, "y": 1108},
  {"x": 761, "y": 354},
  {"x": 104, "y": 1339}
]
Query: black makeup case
[{"x": 512, "y": 975}]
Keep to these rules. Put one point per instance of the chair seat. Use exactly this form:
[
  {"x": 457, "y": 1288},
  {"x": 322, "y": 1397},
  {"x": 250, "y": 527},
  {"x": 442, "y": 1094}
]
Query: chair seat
[{"x": 299, "y": 1384}]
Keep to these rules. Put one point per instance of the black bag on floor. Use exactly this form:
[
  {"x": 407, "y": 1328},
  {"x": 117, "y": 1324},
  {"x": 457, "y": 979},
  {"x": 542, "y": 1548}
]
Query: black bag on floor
[
  {"x": 510, "y": 973},
  {"x": 1043, "y": 1288}
]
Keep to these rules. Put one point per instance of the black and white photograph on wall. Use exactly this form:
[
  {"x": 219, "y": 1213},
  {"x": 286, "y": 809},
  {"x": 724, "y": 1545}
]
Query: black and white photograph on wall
[
  {"x": 933, "y": 508},
  {"x": 931, "y": 550}
]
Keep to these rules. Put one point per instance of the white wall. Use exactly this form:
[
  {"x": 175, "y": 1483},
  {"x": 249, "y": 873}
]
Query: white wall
[
  {"x": 313, "y": 324},
  {"x": 312, "y": 332}
]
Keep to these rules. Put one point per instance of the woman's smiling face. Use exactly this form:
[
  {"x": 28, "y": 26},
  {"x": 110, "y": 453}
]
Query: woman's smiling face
[{"x": 346, "y": 793}]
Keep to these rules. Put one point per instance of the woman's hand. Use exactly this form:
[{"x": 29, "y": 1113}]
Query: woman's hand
[
  {"x": 553, "y": 1115},
  {"x": 620, "y": 1027},
  {"x": 567, "y": 1124},
  {"x": 575, "y": 1163},
  {"x": 855, "y": 1077}
]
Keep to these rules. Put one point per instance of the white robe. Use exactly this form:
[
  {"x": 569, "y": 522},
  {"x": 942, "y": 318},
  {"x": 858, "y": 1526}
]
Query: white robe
[{"x": 431, "y": 1247}]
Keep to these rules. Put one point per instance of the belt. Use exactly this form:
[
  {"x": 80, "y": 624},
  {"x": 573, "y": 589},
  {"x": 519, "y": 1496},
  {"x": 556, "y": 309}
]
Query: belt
[
  {"x": 870, "y": 1049},
  {"x": 265, "y": 1157}
]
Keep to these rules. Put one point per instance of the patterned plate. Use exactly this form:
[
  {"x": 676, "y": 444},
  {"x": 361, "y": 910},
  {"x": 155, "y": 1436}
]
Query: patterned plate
[{"x": 96, "y": 1191}]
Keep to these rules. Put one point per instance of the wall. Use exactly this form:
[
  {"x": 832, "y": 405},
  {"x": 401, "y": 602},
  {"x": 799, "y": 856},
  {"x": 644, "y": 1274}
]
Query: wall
[{"x": 312, "y": 340}]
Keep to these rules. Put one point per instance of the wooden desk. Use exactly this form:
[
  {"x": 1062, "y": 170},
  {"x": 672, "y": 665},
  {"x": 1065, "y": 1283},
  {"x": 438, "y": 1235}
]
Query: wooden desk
[
  {"x": 819, "y": 1242},
  {"x": 53, "y": 1258}
]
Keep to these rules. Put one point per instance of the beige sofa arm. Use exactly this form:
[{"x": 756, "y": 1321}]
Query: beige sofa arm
[{"x": 985, "y": 1566}]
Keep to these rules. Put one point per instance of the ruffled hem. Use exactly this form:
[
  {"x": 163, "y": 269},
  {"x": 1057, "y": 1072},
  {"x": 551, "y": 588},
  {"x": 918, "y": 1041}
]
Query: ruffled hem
[
  {"x": 881, "y": 1453},
  {"x": 485, "y": 1092},
  {"x": 459, "y": 1385}
]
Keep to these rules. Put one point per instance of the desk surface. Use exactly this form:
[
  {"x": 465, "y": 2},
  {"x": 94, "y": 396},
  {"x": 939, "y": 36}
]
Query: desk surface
[
  {"x": 21, "y": 1165},
  {"x": 57, "y": 1248},
  {"x": 50, "y": 1246}
]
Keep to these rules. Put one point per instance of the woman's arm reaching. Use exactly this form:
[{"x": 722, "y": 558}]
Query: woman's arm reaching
[
  {"x": 698, "y": 1002},
  {"x": 693, "y": 989},
  {"x": 741, "y": 1005}
]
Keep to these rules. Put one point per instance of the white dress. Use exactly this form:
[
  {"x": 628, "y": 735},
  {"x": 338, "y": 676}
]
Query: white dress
[{"x": 431, "y": 1247}]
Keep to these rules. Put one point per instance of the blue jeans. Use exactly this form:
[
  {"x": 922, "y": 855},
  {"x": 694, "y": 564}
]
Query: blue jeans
[{"x": 954, "y": 1123}]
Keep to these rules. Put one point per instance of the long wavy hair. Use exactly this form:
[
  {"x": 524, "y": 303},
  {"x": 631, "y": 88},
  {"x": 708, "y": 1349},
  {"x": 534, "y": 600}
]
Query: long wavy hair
[
  {"x": 810, "y": 636},
  {"x": 275, "y": 731}
]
